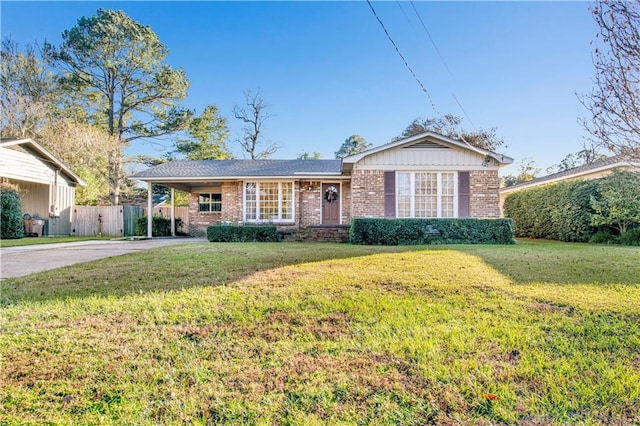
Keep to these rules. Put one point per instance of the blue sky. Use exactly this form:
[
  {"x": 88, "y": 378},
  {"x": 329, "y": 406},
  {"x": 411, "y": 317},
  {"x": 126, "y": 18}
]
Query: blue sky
[{"x": 327, "y": 70}]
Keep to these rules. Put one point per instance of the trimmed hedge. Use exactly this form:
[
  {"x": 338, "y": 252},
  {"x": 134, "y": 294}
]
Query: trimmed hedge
[
  {"x": 160, "y": 226},
  {"x": 430, "y": 231},
  {"x": 241, "y": 234},
  {"x": 559, "y": 211},
  {"x": 11, "y": 220}
]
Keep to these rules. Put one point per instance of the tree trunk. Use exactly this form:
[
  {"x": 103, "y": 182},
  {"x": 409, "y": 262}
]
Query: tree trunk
[{"x": 115, "y": 175}]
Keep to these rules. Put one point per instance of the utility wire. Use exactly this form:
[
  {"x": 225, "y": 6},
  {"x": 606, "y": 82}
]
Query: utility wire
[
  {"x": 462, "y": 108},
  {"x": 424, "y": 89},
  {"x": 424, "y": 27},
  {"x": 435, "y": 46}
]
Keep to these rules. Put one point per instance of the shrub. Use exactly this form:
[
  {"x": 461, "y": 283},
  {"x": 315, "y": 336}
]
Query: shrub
[
  {"x": 630, "y": 238},
  {"x": 559, "y": 211},
  {"x": 617, "y": 203},
  {"x": 602, "y": 237},
  {"x": 160, "y": 226},
  {"x": 11, "y": 220},
  {"x": 430, "y": 231},
  {"x": 241, "y": 234}
]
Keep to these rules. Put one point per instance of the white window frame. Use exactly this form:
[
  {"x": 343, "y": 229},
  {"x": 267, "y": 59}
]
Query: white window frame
[
  {"x": 258, "y": 219},
  {"x": 439, "y": 194}
]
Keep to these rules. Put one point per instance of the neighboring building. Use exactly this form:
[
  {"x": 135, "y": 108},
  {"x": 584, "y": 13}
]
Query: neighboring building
[
  {"x": 594, "y": 170},
  {"x": 47, "y": 186},
  {"x": 427, "y": 175}
]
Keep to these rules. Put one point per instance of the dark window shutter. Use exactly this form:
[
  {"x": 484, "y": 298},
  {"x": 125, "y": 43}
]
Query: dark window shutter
[
  {"x": 464, "y": 206},
  {"x": 389, "y": 194}
]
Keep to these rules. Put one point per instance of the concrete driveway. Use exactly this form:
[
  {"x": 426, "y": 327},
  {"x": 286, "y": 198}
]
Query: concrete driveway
[{"x": 25, "y": 260}]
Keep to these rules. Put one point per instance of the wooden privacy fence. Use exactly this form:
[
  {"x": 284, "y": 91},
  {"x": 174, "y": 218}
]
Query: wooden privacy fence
[{"x": 117, "y": 221}]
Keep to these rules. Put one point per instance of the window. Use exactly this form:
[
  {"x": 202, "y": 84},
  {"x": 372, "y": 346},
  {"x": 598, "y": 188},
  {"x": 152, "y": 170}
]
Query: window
[
  {"x": 209, "y": 203},
  {"x": 426, "y": 194},
  {"x": 268, "y": 201}
]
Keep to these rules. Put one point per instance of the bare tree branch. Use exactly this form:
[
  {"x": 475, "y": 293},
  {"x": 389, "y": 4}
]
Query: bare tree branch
[
  {"x": 254, "y": 114},
  {"x": 614, "y": 101}
]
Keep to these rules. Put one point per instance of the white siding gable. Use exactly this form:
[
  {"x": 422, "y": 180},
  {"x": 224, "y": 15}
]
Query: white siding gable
[
  {"x": 426, "y": 155},
  {"x": 16, "y": 163}
]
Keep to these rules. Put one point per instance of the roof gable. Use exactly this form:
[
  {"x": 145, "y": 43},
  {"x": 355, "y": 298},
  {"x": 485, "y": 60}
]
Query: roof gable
[
  {"x": 41, "y": 151},
  {"x": 428, "y": 140}
]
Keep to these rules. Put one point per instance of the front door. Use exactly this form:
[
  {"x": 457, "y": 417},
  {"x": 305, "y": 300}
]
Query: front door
[{"x": 330, "y": 203}]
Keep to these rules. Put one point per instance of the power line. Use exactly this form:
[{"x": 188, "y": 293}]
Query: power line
[
  {"x": 435, "y": 46},
  {"x": 462, "y": 108},
  {"x": 424, "y": 27},
  {"x": 424, "y": 89}
]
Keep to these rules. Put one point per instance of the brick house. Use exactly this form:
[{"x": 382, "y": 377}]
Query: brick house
[{"x": 427, "y": 175}]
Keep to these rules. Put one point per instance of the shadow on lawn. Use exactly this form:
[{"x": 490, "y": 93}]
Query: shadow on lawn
[
  {"x": 561, "y": 263},
  {"x": 178, "y": 267},
  {"x": 175, "y": 268}
]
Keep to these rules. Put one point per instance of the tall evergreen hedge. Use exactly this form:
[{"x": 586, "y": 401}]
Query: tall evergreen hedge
[
  {"x": 11, "y": 220},
  {"x": 559, "y": 211}
]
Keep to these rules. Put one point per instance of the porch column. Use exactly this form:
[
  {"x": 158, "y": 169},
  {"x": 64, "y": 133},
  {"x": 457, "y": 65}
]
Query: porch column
[
  {"x": 173, "y": 212},
  {"x": 149, "y": 210}
]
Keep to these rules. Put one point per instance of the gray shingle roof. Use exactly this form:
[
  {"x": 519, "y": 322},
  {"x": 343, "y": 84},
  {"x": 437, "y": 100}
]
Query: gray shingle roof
[
  {"x": 609, "y": 161},
  {"x": 240, "y": 168}
]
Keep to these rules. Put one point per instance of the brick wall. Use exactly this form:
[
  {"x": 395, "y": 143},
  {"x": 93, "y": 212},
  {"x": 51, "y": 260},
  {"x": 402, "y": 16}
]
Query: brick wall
[
  {"x": 231, "y": 210},
  {"x": 485, "y": 198},
  {"x": 367, "y": 193},
  {"x": 232, "y": 202},
  {"x": 346, "y": 202},
  {"x": 308, "y": 204}
]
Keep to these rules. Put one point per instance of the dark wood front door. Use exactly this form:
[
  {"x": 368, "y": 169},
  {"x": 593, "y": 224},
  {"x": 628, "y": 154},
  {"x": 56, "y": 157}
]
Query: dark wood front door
[{"x": 330, "y": 203}]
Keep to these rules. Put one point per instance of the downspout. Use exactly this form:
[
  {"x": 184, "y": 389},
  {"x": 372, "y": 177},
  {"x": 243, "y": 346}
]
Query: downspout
[
  {"x": 149, "y": 210},
  {"x": 54, "y": 195}
]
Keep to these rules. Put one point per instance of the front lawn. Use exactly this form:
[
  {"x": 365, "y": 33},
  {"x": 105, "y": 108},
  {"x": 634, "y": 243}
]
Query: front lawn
[{"x": 287, "y": 333}]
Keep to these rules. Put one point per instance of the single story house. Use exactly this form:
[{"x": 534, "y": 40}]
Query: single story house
[
  {"x": 427, "y": 175},
  {"x": 47, "y": 186},
  {"x": 595, "y": 170}
]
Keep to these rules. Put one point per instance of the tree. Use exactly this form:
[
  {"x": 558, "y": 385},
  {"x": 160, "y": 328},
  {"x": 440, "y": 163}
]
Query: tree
[
  {"x": 614, "y": 101},
  {"x": 449, "y": 125},
  {"x": 207, "y": 137},
  {"x": 253, "y": 115},
  {"x": 27, "y": 89},
  {"x": 618, "y": 203},
  {"x": 527, "y": 171},
  {"x": 353, "y": 145},
  {"x": 85, "y": 149},
  {"x": 588, "y": 155},
  {"x": 307, "y": 156},
  {"x": 118, "y": 64}
]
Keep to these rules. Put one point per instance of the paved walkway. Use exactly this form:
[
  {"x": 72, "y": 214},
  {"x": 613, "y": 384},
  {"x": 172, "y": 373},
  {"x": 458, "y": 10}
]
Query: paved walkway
[{"x": 25, "y": 260}]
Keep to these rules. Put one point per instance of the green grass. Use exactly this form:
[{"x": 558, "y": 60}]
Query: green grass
[
  {"x": 536, "y": 333},
  {"x": 28, "y": 241}
]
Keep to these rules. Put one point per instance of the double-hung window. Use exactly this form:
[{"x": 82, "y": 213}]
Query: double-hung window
[
  {"x": 209, "y": 203},
  {"x": 268, "y": 201},
  {"x": 426, "y": 194}
]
